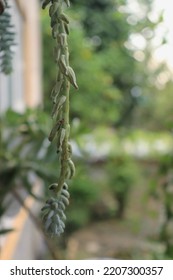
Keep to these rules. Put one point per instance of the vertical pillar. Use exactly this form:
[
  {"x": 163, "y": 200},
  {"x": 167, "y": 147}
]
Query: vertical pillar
[{"x": 32, "y": 53}]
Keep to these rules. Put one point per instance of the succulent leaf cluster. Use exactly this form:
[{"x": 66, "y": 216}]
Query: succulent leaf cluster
[
  {"x": 53, "y": 211},
  {"x": 60, "y": 131},
  {"x": 7, "y": 40}
]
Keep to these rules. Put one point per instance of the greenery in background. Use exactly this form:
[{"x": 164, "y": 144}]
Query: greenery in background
[
  {"x": 122, "y": 173},
  {"x": 112, "y": 81},
  {"x": 119, "y": 93},
  {"x": 116, "y": 83},
  {"x": 26, "y": 154},
  {"x": 161, "y": 189},
  {"x": 24, "y": 144},
  {"x": 84, "y": 194}
]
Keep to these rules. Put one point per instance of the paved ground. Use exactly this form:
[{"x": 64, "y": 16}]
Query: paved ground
[
  {"x": 131, "y": 238},
  {"x": 110, "y": 239}
]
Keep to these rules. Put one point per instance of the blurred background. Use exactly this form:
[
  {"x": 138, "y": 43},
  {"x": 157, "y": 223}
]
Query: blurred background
[{"x": 121, "y": 131}]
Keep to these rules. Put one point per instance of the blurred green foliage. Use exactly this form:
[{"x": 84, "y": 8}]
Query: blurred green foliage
[
  {"x": 113, "y": 82},
  {"x": 121, "y": 99},
  {"x": 123, "y": 173},
  {"x": 161, "y": 189},
  {"x": 84, "y": 194},
  {"x": 119, "y": 90},
  {"x": 26, "y": 154},
  {"x": 24, "y": 145}
]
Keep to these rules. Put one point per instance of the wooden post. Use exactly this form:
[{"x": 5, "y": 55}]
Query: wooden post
[{"x": 32, "y": 53}]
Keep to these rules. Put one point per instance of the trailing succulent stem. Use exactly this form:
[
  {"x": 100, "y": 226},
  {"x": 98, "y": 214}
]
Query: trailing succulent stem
[
  {"x": 53, "y": 211},
  {"x": 2, "y": 6},
  {"x": 7, "y": 36}
]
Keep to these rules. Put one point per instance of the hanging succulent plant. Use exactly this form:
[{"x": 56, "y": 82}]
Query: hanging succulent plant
[
  {"x": 53, "y": 211},
  {"x": 2, "y": 6},
  {"x": 7, "y": 36}
]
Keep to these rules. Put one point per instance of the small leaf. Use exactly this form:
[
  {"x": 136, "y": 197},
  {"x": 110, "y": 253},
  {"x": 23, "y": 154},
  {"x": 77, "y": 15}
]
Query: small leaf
[{"x": 72, "y": 77}]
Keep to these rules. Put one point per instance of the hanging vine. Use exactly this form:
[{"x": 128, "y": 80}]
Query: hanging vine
[
  {"x": 7, "y": 38},
  {"x": 2, "y": 6},
  {"x": 53, "y": 211}
]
